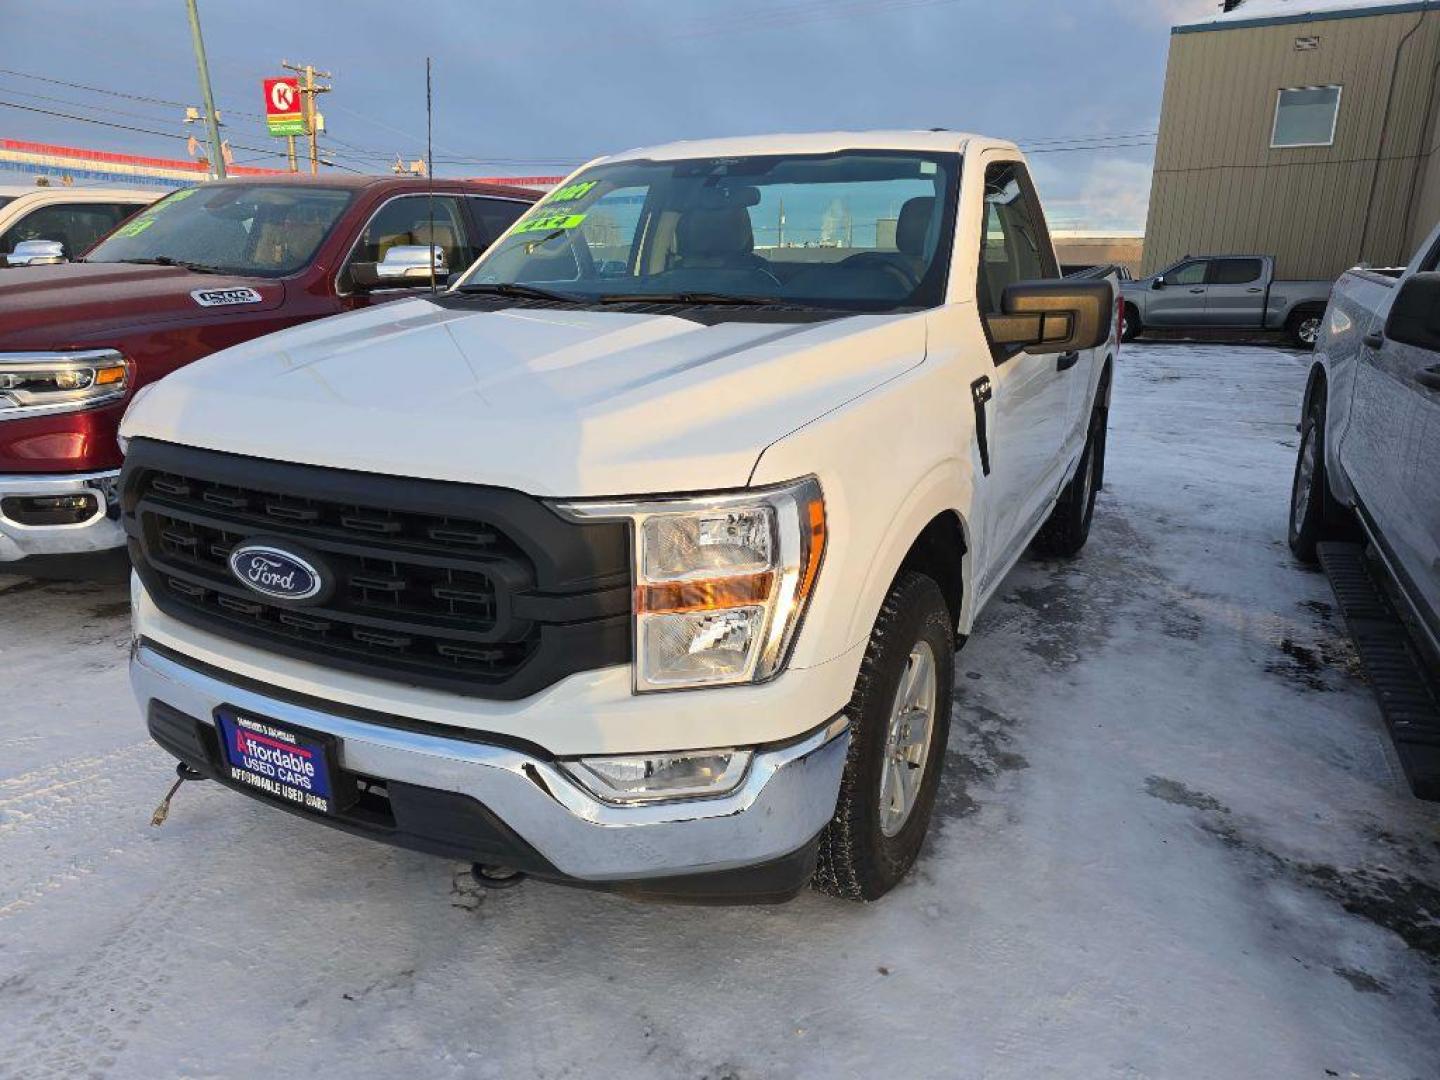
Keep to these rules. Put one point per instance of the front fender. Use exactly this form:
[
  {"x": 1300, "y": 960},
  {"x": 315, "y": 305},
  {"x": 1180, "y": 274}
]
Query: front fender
[{"x": 889, "y": 462}]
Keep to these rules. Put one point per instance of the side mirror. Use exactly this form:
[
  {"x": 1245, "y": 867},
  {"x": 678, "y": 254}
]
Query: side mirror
[
  {"x": 404, "y": 265},
  {"x": 1054, "y": 316},
  {"x": 1415, "y": 313},
  {"x": 36, "y": 253},
  {"x": 1159, "y": 282}
]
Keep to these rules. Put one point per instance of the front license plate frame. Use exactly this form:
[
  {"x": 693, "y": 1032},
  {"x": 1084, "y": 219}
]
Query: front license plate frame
[{"x": 279, "y": 760}]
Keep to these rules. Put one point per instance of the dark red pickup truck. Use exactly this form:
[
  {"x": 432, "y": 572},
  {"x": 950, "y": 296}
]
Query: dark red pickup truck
[{"x": 203, "y": 269}]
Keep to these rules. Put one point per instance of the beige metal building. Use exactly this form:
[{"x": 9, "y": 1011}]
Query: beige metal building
[{"x": 1305, "y": 129}]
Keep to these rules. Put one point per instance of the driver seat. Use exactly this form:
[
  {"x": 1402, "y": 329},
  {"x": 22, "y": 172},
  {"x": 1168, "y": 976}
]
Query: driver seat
[{"x": 715, "y": 238}]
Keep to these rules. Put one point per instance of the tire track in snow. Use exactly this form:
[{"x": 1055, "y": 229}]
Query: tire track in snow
[
  {"x": 75, "y": 798},
  {"x": 84, "y": 1023}
]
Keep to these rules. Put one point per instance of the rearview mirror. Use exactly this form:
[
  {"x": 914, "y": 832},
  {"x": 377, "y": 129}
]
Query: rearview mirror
[
  {"x": 1415, "y": 313},
  {"x": 1053, "y": 316},
  {"x": 403, "y": 265},
  {"x": 36, "y": 253}
]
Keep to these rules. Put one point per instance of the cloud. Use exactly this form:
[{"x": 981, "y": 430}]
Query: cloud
[
  {"x": 1110, "y": 193},
  {"x": 1165, "y": 12}
]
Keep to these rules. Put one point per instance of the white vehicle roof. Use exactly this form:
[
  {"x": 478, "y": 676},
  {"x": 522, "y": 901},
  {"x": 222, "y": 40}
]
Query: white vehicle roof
[
  {"x": 818, "y": 142},
  {"x": 11, "y": 191}
]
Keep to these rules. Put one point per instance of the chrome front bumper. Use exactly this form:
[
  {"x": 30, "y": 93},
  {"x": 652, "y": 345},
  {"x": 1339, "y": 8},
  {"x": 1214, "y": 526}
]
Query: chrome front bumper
[
  {"x": 99, "y": 532},
  {"x": 784, "y": 801}
]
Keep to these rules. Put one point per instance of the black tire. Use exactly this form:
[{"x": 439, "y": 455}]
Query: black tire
[
  {"x": 1313, "y": 514},
  {"x": 1130, "y": 325},
  {"x": 1303, "y": 327},
  {"x": 1068, "y": 527},
  {"x": 858, "y": 861}
]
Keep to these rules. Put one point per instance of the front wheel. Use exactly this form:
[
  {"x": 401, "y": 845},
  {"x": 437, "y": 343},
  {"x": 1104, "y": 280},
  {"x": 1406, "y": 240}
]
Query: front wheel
[{"x": 899, "y": 724}]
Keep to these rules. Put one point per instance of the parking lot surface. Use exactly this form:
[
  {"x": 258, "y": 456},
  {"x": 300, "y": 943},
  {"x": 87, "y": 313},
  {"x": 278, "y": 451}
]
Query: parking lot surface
[{"x": 1172, "y": 842}]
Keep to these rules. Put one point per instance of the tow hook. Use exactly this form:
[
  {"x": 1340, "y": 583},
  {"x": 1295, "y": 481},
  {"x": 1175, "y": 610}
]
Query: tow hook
[
  {"x": 183, "y": 772},
  {"x": 496, "y": 877}
]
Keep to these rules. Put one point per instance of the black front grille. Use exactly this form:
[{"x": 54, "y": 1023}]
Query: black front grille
[{"x": 484, "y": 591}]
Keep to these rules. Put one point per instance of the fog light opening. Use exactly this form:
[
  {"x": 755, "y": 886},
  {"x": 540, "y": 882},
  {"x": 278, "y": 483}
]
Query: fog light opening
[
  {"x": 641, "y": 778},
  {"x": 40, "y": 510}
]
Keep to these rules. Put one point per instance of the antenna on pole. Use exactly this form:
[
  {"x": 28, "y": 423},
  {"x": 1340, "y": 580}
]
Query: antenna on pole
[{"x": 430, "y": 179}]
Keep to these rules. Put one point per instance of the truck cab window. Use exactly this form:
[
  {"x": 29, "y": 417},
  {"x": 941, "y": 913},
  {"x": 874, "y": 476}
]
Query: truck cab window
[
  {"x": 1190, "y": 273},
  {"x": 410, "y": 220},
  {"x": 1235, "y": 271},
  {"x": 76, "y": 225},
  {"x": 494, "y": 216},
  {"x": 1015, "y": 246}
]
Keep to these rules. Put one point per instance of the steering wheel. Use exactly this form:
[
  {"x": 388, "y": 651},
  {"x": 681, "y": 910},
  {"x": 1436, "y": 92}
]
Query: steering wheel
[{"x": 879, "y": 260}]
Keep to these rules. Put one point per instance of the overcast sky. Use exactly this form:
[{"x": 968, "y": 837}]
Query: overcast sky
[{"x": 537, "y": 87}]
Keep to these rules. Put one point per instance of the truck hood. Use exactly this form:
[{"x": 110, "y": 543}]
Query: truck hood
[
  {"x": 555, "y": 402},
  {"x": 47, "y": 307}
]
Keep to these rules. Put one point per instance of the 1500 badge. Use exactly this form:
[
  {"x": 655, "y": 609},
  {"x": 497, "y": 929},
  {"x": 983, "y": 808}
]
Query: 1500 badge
[{"x": 221, "y": 297}]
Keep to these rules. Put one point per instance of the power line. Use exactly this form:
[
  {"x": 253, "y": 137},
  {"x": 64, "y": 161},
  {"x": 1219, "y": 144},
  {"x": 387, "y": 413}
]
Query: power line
[
  {"x": 117, "y": 93},
  {"x": 152, "y": 131}
]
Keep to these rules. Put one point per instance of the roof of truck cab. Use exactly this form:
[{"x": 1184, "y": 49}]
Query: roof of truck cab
[
  {"x": 815, "y": 142},
  {"x": 357, "y": 182}
]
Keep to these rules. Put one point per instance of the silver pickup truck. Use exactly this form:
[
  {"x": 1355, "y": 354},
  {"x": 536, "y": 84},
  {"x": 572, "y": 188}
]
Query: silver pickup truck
[
  {"x": 1224, "y": 292},
  {"x": 1366, "y": 473}
]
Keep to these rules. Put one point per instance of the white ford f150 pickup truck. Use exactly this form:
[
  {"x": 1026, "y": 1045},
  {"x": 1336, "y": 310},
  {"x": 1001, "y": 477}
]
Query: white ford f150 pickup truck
[{"x": 638, "y": 558}]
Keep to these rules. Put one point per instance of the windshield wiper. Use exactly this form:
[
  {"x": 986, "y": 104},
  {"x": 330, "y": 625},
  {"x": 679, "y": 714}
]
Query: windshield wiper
[
  {"x": 511, "y": 288},
  {"x": 166, "y": 260},
  {"x": 692, "y": 298}
]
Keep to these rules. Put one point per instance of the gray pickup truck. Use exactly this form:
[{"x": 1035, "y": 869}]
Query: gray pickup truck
[
  {"x": 1224, "y": 292},
  {"x": 1365, "y": 501}
]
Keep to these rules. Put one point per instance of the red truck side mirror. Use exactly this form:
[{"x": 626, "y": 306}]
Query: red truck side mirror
[{"x": 404, "y": 266}]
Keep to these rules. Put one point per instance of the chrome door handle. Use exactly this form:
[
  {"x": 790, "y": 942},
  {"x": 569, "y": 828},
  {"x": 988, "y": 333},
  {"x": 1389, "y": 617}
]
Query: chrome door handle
[
  {"x": 1197, "y": 290},
  {"x": 1254, "y": 290}
]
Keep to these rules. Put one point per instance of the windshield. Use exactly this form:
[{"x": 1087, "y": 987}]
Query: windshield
[
  {"x": 268, "y": 230},
  {"x": 858, "y": 230}
]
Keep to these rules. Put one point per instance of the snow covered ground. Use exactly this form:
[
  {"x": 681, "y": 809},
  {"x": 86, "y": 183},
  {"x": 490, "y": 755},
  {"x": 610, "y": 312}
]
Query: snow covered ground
[{"x": 1172, "y": 843}]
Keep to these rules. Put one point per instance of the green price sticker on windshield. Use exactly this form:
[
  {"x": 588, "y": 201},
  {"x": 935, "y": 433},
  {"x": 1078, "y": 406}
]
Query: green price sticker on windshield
[
  {"x": 136, "y": 227},
  {"x": 571, "y": 192},
  {"x": 550, "y": 223}
]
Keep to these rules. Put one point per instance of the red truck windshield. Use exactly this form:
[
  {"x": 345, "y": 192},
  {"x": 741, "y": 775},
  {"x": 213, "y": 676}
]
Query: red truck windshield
[{"x": 268, "y": 230}]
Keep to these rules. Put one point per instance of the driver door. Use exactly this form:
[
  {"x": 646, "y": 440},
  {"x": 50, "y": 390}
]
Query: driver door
[
  {"x": 1031, "y": 393},
  {"x": 404, "y": 221},
  {"x": 1180, "y": 301}
]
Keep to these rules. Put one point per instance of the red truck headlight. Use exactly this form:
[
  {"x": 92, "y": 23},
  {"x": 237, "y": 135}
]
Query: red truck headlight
[{"x": 41, "y": 383}]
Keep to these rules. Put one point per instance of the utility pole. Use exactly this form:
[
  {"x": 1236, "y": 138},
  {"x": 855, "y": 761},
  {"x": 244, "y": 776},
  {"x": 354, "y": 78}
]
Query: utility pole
[
  {"x": 308, "y": 91},
  {"x": 212, "y": 125},
  {"x": 290, "y": 146}
]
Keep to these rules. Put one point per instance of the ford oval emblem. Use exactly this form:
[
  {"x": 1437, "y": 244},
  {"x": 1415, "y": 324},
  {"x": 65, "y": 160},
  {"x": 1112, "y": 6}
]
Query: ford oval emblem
[{"x": 271, "y": 571}]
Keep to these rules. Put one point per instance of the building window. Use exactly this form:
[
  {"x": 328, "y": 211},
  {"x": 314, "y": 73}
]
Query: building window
[{"x": 1305, "y": 116}]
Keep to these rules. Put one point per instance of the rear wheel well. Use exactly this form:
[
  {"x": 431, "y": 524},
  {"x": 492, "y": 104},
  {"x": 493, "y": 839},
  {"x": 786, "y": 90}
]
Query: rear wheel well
[{"x": 939, "y": 553}]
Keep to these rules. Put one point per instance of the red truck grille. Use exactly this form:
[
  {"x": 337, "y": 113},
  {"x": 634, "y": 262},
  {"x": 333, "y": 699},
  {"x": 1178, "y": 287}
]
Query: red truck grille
[{"x": 482, "y": 591}]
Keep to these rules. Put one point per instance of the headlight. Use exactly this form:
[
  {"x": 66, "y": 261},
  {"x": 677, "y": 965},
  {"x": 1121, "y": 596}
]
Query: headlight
[
  {"x": 721, "y": 581},
  {"x": 121, "y": 436},
  {"x": 36, "y": 384}
]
